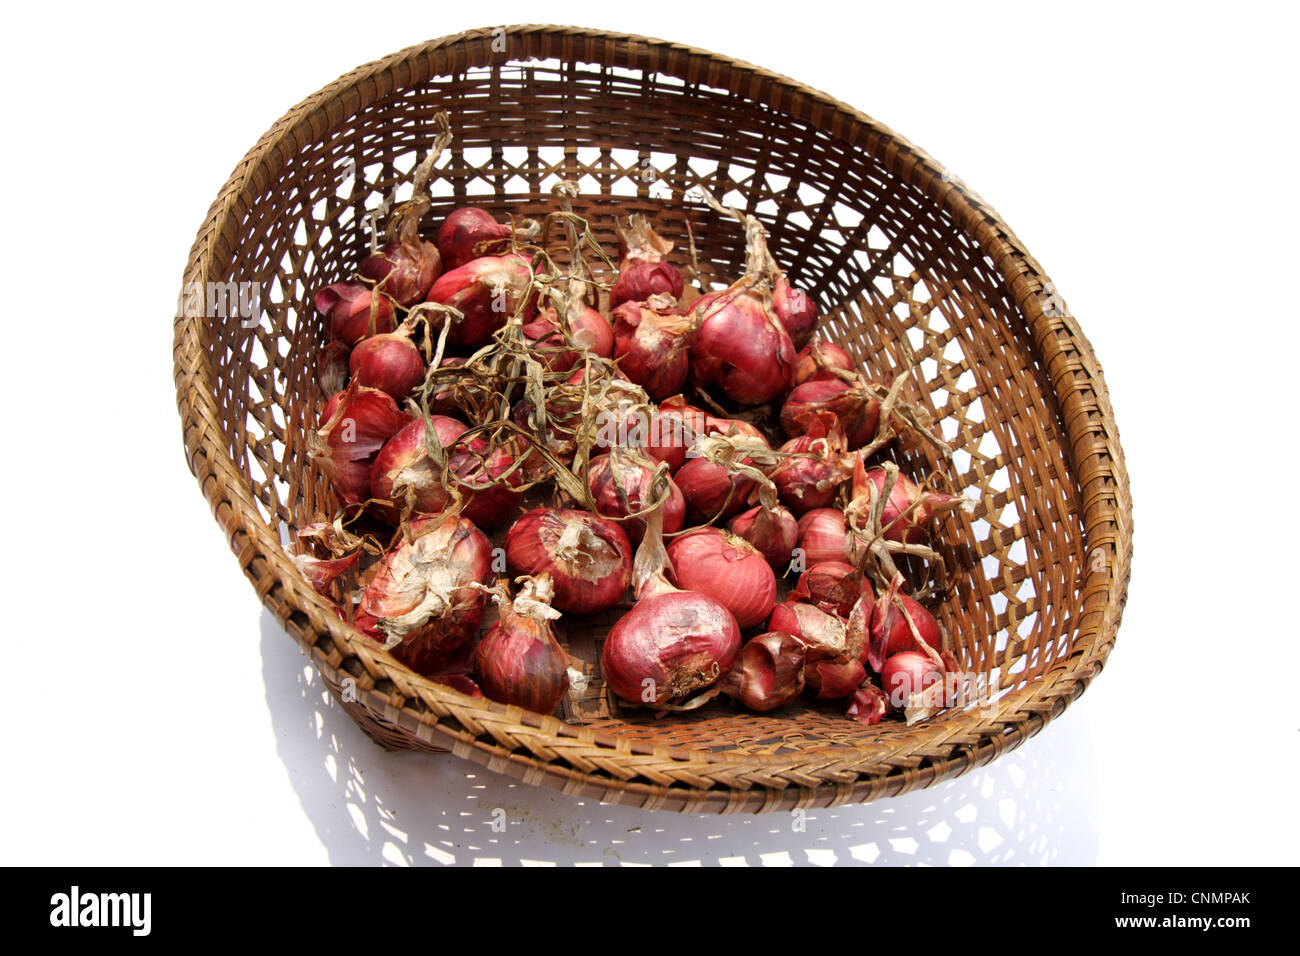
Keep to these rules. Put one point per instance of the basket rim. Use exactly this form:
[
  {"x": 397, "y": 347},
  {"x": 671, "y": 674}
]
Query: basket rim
[{"x": 603, "y": 765}]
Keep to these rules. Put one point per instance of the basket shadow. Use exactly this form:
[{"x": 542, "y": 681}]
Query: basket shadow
[{"x": 372, "y": 807}]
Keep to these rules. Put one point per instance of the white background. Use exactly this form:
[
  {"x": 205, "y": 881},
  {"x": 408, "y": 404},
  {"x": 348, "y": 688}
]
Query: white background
[{"x": 154, "y": 713}]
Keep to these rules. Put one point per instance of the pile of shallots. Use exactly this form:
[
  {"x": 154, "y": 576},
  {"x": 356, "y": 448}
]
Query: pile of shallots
[{"x": 679, "y": 455}]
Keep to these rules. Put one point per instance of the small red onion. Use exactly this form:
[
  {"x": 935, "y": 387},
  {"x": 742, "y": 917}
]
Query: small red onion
[
  {"x": 825, "y": 635},
  {"x": 907, "y": 676},
  {"x": 651, "y": 342},
  {"x": 403, "y": 269},
  {"x": 772, "y": 530},
  {"x": 355, "y": 426},
  {"x": 519, "y": 660},
  {"x": 740, "y": 349},
  {"x": 488, "y": 291},
  {"x": 829, "y": 680},
  {"x": 796, "y": 310},
  {"x": 909, "y": 509},
  {"x": 899, "y": 624},
  {"x": 588, "y": 330},
  {"x": 355, "y": 311},
  {"x": 868, "y": 705},
  {"x": 470, "y": 233},
  {"x": 620, "y": 485},
  {"x": 819, "y": 361},
  {"x": 642, "y": 272},
  {"x": 673, "y": 643},
  {"x": 728, "y": 568},
  {"x": 332, "y": 367},
  {"x": 422, "y": 603},
  {"x": 833, "y": 586},
  {"x": 856, "y": 408},
  {"x": 589, "y": 559},
  {"x": 816, "y": 468},
  {"x": 389, "y": 362},
  {"x": 823, "y": 536}
]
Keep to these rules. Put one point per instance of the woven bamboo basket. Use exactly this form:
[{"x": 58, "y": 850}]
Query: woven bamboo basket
[{"x": 910, "y": 268}]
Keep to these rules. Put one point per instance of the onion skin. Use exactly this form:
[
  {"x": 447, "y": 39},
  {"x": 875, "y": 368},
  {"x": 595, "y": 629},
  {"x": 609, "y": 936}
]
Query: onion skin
[
  {"x": 470, "y": 233},
  {"x": 679, "y": 641},
  {"x": 868, "y": 705},
  {"x": 488, "y": 291},
  {"x": 857, "y": 410},
  {"x": 830, "y": 681},
  {"x": 796, "y": 310},
  {"x": 332, "y": 367},
  {"x": 805, "y": 483},
  {"x": 741, "y": 350},
  {"x": 349, "y": 306},
  {"x": 825, "y": 635},
  {"x": 823, "y": 536},
  {"x": 423, "y": 595},
  {"x": 604, "y": 476},
  {"x": 389, "y": 362},
  {"x": 773, "y": 531},
  {"x": 406, "y": 271},
  {"x": 591, "y": 575},
  {"x": 356, "y": 425},
  {"x": 726, "y": 568},
  {"x": 768, "y": 674},
  {"x": 652, "y": 342}
]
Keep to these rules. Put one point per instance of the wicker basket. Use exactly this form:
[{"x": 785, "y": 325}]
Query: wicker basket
[{"x": 910, "y": 268}]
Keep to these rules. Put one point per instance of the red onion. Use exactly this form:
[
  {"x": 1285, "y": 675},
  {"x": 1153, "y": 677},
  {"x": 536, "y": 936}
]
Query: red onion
[
  {"x": 796, "y": 310},
  {"x": 899, "y": 624},
  {"x": 672, "y": 643},
  {"x": 519, "y": 660},
  {"x": 354, "y": 311},
  {"x": 829, "y": 680},
  {"x": 823, "y": 536},
  {"x": 909, "y": 509},
  {"x": 907, "y": 675},
  {"x": 355, "y": 426},
  {"x": 819, "y": 361},
  {"x": 772, "y": 530},
  {"x": 856, "y": 408},
  {"x": 651, "y": 342},
  {"x": 678, "y": 426},
  {"x": 588, "y": 558},
  {"x": 588, "y": 330},
  {"x": 642, "y": 273},
  {"x": 768, "y": 674},
  {"x": 741, "y": 349},
  {"x": 405, "y": 475},
  {"x": 390, "y": 362},
  {"x": 620, "y": 483},
  {"x": 488, "y": 291},
  {"x": 825, "y": 635},
  {"x": 817, "y": 467},
  {"x": 404, "y": 269},
  {"x": 832, "y": 586},
  {"x": 422, "y": 602},
  {"x": 728, "y": 568},
  {"x": 722, "y": 476},
  {"x": 470, "y": 233}
]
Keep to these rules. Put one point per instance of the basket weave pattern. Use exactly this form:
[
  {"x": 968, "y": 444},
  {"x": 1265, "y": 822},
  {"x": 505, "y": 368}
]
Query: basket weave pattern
[{"x": 910, "y": 269}]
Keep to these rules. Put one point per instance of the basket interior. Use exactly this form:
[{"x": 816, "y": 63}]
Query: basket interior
[{"x": 898, "y": 282}]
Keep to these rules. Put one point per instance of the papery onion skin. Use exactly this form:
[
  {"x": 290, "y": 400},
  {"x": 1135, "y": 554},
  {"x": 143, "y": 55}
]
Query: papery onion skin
[
  {"x": 828, "y": 680},
  {"x": 652, "y": 342},
  {"x": 406, "y": 271},
  {"x": 727, "y": 568},
  {"x": 423, "y": 593},
  {"x": 741, "y": 350},
  {"x": 332, "y": 367},
  {"x": 825, "y": 635},
  {"x": 488, "y": 290},
  {"x": 670, "y": 645},
  {"x": 812, "y": 476},
  {"x": 602, "y": 473},
  {"x": 592, "y": 576},
  {"x": 773, "y": 531},
  {"x": 833, "y": 586},
  {"x": 769, "y": 673},
  {"x": 823, "y": 536},
  {"x": 470, "y": 233},
  {"x": 868, "y": 705},
  {"x": 390, "y": 362},
  {"x": 349, "y": 306}
]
